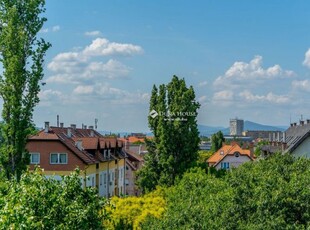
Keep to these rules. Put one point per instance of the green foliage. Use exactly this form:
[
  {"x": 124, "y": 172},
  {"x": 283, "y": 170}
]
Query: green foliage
[
  {"x": 40, "y": 203},
  {"x": 174, "y": 147},
  {"x": 204, "y": 155},
  {"x": 130, "y": 212},
  {"x": 22, "y": 56},
  {"x": 217, "y": 140},
  {"x": 268, "y": 194}
]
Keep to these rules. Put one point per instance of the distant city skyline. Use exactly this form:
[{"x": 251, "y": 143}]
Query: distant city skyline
[{"x": 247, "y": 59}]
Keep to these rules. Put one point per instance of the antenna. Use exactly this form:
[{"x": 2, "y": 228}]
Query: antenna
[{"x": 96, "y": 122}]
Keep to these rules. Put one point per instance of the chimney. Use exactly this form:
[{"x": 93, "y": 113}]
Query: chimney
[
  {"x": 69, "y": 132},
  {"x": 308, "y": 121},
  {"x": 91, "y": 127},
  {"x": 302, "y": 122},
  {"x": 57, "y": 120},
  {"x": 73, "y": 126},
  {"x": 78, "y": 144},
  {"x": 295, "y": 124},
  {"x": 46, "y": 126},
  {"x": 92, "y": 133},
  {"x": 61, "y": 124},
  {"x": 292, "y": 124}
]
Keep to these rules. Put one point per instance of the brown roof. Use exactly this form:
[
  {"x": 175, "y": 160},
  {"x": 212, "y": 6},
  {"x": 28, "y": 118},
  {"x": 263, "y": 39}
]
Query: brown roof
[
  {"x": 90, "y": 138},
  {"x": 88, "y": 142}
]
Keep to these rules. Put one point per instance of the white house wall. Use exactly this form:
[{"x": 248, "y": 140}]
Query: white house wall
[
  {"x": 303, "y": 150},
  {"x": 233, "y": 161}
]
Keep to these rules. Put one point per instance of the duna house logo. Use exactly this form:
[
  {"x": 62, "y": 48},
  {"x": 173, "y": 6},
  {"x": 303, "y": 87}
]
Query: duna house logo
[{"x": 153, "y": 113}]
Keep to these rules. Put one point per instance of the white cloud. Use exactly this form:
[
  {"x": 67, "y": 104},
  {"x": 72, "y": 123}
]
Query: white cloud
[
  {"x": 243, "y": 73},
  {"x": 103, "y": 47},
  {"x": 48, "y": 96},
  {"x": 204, "y": 83},
  {"x": 224, "y": 95},
  {"x": 270, "y": 97},
  {"x": 301, "y": 85},
  {"x": 306, "y": 62},
  {"x": 88, "y": 89},
  {"x": 93, "y": 33},
  {"x": 52, "y": 29},
  {"x": 55, "y": 28},
  {"x": 76, "y": 67}
]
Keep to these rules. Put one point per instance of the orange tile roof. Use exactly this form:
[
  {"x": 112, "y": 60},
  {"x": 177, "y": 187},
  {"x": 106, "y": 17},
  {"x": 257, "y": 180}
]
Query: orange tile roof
[{"x": 228, "y": 150}]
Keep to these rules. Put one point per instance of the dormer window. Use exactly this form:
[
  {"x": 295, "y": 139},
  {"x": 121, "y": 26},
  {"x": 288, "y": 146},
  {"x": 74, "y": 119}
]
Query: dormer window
[
  {"x": 237, "y": 154},
  {"x": 105, "y": 153}
]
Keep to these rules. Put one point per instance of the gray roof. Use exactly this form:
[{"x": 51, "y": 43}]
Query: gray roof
[{"x": 295, "y": 135}]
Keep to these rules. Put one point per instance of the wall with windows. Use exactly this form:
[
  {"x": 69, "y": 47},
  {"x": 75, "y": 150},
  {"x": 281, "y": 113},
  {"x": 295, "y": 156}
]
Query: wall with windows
[
  {"x": 54, "y": 156},
  {"x": 231, "y": 161}
]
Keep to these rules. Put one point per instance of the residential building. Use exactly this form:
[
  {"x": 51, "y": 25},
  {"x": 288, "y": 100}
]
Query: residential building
[
  {"x": 296, "y": 139},
  {"x": 263, "y": 134},
  {"x": 59, "y": 151},
  {"x": 135, "y": 149},
  {"x": 236, "y": 127},
  {"x": 230, "y": 156}
]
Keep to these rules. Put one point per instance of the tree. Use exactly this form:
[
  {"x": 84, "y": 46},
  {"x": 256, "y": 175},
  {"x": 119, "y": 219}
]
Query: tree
[
  {"x": 130, "y": 212},
  {"x": 217, "y": 140},
  {"x": 272, "y": 193},
  {"x": 37, "y": 202},
  {"x": 174, "y": 148},
  {"x": 22, "y": 56}
]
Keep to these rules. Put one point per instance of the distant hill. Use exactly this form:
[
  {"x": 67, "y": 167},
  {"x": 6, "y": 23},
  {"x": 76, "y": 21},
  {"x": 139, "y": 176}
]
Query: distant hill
[{"x": 248, "y": 125}]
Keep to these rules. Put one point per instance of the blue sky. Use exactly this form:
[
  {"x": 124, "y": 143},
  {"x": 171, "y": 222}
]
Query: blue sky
[{"x": 245, "y": 59}]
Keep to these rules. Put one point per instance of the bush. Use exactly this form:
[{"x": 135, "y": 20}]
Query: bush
[{"x": 40, "y": 203}]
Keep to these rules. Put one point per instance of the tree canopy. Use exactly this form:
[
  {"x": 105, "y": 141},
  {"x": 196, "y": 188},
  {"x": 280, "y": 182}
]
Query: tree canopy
[
  {"x": 217, "y": 141},
  {"x": 21, "y": 55},
  {"x": 173, "y": 121},
  {"x": 273, "y": 193}
]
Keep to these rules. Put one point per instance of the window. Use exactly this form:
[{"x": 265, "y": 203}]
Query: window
[
  {"x": 104, "y": 178},
  {"x": 237, "y": 154},
  {"x": 105, "y": 153},
  {"x": 100, "y": 179},
  {"x": 34, "y": 158},
  {"x": 58, "y": 158},
  {"x": 224, "y": 165}
]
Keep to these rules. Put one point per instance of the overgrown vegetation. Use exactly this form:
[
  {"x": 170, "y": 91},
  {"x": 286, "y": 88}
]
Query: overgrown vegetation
[
  {"x": 268, "y": 194},
  {"x": 40, "y": 203}
]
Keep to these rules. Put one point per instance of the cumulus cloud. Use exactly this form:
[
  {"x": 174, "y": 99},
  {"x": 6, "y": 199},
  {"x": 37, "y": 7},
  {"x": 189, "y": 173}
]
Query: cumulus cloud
[
  {"x": 306, "y": 62},
  {"x": 242, "y": 73},
  {"x": 301, "y": 85},
  {"x": 93, "y": 33},
  {"x": 79, "y": 66},
  {"x": 270, "y": 97},
  {"x": 103, "y": 47},
  {"x": 224, "y": 95}
]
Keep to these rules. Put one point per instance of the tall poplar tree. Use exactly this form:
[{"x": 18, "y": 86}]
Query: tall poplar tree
[
  {"x": 21, "y": 55},
  {"x": 173, "y": 121}
]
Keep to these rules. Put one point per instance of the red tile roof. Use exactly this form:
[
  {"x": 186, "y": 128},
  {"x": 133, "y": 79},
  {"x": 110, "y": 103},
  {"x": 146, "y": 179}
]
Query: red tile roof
[{"x": 90, "y": 138}]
